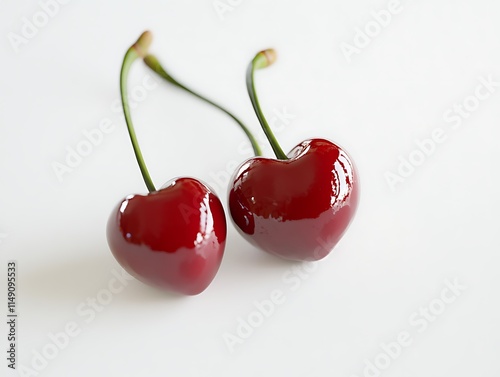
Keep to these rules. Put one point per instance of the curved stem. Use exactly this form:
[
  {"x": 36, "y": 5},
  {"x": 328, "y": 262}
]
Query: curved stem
[
  {"x": 137, "y": 50},
  {"x": 263, "y": 59},
  {"x": 153, "y": 63}
]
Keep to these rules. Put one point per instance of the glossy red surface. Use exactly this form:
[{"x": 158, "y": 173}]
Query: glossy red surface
[
  {"x": 298, "y": 208},
  {"x": 173, "y": 238}
]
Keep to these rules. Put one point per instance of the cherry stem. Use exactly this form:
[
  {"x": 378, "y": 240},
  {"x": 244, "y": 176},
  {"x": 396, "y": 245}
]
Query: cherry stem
[
  {"x": 262, "y": 60},
  {"x": 138, "y": 49},
  {"x": 153, "y": 63}
]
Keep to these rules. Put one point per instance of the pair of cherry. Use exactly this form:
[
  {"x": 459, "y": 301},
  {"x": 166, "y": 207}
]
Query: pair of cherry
[{"x": 296, "y": 207}]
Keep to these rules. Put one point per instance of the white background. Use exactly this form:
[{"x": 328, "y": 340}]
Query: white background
[{"x": 440, "y": 223}]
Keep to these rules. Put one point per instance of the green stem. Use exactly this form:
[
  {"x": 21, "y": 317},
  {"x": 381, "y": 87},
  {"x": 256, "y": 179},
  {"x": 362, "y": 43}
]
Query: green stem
[
  {"x": 153, "y": 63},
  {"x": 139, "y": 49},
  {"x": 262, "y": 60}
]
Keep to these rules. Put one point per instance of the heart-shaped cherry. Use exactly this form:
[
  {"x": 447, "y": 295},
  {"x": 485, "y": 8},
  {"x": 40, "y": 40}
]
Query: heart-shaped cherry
[
  {"x": 299, "y": 206},
  {"x": 173, "y": 238}
]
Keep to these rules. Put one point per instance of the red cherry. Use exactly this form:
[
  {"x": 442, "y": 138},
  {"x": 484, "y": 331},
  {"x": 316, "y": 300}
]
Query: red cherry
[
  {"x": 297, "y": 208},
  {"x": 173, "y": 238}
]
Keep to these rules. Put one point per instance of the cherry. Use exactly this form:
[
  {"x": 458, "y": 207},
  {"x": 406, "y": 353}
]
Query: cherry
[
  {"x": 299, "y": 205},
  {"x": 172, "y": 238}
]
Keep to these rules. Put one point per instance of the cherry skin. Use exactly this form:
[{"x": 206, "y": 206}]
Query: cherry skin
[
  {"x": 299, "y": 208},
  {"x": 173, "y": 238}
]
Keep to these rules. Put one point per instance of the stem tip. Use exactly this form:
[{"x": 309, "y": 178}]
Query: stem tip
[
  {"x": 143, "y": 43},
  {"x": 265, "y": 58}
]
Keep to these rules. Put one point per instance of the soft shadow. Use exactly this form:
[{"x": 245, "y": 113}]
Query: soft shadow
[
  {"x": 76, "y": 279},
  {"x": 241, "y": 259}
]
